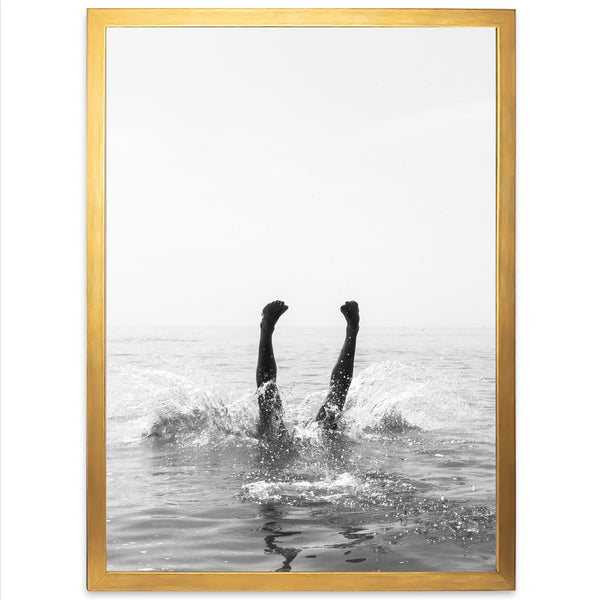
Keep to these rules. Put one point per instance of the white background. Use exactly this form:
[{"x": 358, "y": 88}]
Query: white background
[{"x": 43, "y": 297}]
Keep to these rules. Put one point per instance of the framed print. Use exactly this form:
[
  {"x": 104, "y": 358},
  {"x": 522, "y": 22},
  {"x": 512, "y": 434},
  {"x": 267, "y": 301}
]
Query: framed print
[{"x": 300, "y": 299}]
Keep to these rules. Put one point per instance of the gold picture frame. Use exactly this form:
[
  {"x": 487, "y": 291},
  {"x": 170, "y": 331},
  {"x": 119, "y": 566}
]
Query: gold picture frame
[{"x": 503, "y": 578}]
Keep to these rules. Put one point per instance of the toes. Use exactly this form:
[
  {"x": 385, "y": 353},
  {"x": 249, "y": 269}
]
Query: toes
[
  {"x": 277, "y": 307},
  {"x": 272, "y": 311}
]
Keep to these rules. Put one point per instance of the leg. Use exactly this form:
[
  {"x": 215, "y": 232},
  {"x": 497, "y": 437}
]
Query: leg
[
  {"x": 341, "y": 376},
  {"x": 269, "y": 402}
]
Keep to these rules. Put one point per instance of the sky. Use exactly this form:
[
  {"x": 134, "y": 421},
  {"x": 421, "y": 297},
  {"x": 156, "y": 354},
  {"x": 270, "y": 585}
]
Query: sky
[{"x": 311, "y": 165}]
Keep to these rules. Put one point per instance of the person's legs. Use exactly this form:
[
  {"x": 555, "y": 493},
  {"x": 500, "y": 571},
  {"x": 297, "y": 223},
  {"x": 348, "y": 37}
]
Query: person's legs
[
  {"x": 341, "y": 376},
  {"x": 269, "y": 402}
]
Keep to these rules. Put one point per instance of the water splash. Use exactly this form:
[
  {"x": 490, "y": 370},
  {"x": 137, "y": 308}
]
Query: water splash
[{"x": 385, "y": 398}]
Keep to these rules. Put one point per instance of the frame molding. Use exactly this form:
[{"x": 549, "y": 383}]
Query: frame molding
[{"x": 98, "y": 578}]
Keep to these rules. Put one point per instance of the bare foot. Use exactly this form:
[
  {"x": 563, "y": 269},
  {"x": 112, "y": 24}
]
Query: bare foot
[
  {"x": 350, "y": 312},
  {"x": 271, "y": 313}
]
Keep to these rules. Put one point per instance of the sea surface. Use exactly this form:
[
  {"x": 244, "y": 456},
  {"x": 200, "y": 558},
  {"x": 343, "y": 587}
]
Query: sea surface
[{"x": 408, "y": 484}]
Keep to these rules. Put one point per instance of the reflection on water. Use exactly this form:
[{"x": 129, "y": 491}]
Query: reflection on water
[
  {"x": 409, "y": 484},
  {"x": 273, "y": 541}
]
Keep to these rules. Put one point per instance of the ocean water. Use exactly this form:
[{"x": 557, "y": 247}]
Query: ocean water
[{"x": 408, "y": 484}]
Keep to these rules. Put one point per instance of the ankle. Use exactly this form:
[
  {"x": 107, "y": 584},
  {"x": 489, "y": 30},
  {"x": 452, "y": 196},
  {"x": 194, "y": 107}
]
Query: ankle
[{"x": 267, "y": 327}]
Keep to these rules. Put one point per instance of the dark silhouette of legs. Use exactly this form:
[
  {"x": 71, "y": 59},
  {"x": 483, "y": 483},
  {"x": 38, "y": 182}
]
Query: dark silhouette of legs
[
  {"x": 341, "y": 376},
  {"x": 269, "y": 402}
]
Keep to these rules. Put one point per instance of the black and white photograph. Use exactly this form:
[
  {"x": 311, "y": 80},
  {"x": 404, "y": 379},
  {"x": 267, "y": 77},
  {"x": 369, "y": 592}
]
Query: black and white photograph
[{"x": 300, "y": 299}]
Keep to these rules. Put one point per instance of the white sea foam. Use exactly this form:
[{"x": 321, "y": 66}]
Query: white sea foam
[{"x": 320, "y": 490}]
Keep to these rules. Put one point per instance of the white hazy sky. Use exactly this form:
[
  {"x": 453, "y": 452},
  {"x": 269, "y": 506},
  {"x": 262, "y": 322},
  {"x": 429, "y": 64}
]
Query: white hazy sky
[{"x": 304, "y": 164}]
